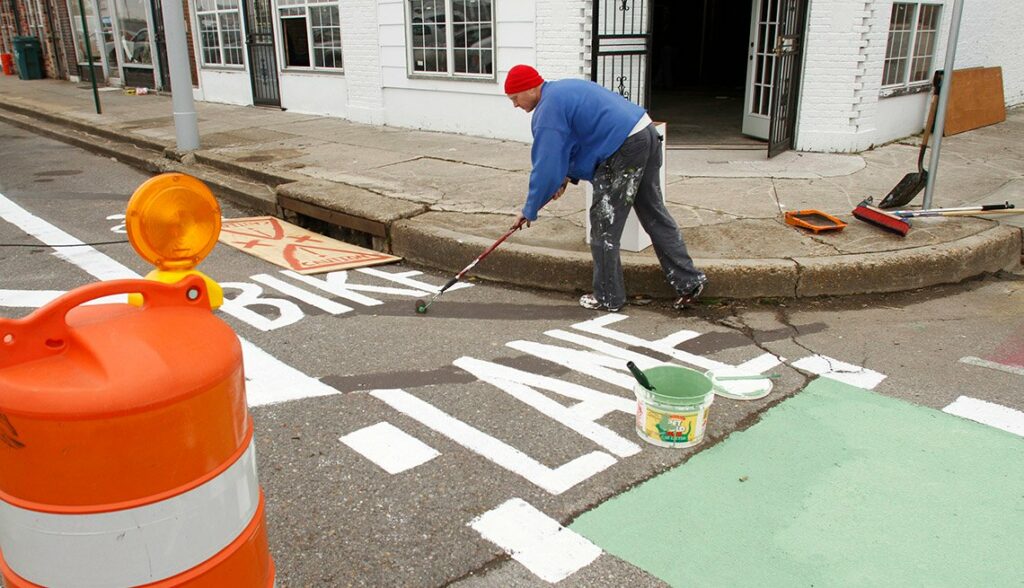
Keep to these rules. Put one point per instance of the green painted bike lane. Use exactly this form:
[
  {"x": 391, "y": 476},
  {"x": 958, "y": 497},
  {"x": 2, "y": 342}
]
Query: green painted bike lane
[{"x": 836, "y": 486}]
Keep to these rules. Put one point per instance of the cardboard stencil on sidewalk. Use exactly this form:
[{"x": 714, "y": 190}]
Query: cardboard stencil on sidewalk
[{"x": 295, "y": 248}]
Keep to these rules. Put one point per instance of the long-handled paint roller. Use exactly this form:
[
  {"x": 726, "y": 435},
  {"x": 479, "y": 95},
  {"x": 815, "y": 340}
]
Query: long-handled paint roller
[{"x": 421, "y": 306}]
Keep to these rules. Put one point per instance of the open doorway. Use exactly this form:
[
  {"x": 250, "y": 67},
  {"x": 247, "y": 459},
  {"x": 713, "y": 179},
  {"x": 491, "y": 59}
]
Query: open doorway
[{"x": 699, "y": 60}]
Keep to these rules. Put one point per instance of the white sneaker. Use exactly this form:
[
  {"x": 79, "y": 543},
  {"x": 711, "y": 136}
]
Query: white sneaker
[{"x": 591, "y": 302}]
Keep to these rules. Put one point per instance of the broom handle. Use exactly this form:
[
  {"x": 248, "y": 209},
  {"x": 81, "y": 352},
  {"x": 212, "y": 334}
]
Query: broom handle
[
  {"x": 923, "y": 213},
  {"x": 1005, "y": 205},
  {"x": 927, "y": 131}
]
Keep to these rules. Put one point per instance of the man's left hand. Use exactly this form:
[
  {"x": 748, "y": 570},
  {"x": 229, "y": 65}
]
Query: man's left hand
[{"x": 520, "y": 221}]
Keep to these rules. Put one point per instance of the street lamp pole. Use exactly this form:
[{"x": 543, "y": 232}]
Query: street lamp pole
[
  {"x": 940, "y": 114},
  {"x": 186, "y": 122}
]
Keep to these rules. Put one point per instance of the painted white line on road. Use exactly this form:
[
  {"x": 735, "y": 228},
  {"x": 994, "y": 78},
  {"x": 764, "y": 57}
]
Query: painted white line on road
[
  {"x": 666, "y": 345},
  {"x": 555, "y": 481},
  {"x": 270, "y": 380},
  {"x": 83, "y": 256},
  {"x": 546, "y": 548},
  {"x": 27, "y": 298},
  {"x": 39, "y": 298},
  {"x": 391, "y": 448},
  {"x": 506, "y": 378},
  {"x": 988, "y": 413},
  {"x": 834, "y": 369},
  {"x": 1010, "y": 369}
]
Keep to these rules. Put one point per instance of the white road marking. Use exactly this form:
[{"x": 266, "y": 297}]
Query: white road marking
[
  {"x": 549, "y": 550},
  {"x": 1010, "y": 369},
  {"x": 505, "y": 378},
  {"x": 391, "y": 448},
  {"x": 555, "y": 481},
  {"x": 834, "y": 369},
  {"x": 269, "y": 379},
  {"x": 325, "y": 304},
  {"x": 40, "y": 298},
  {"x": 988, "y": 413},
  {"x": 666, "y": 345}
]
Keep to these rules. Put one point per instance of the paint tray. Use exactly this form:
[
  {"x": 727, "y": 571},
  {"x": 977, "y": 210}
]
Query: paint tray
[{"x": 814, "y": 220}]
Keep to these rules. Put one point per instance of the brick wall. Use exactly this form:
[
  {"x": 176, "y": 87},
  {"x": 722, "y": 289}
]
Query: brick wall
[
  {"x": 360, "y": 33},
  {"x": 842, "y": 73},
  {"x": 989, "y": 37},
  {"x": 562, "y": 37}
]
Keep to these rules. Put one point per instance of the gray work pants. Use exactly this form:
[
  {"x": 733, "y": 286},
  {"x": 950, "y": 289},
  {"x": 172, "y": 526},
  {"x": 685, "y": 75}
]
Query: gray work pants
[{"x": 629, "y": 180}]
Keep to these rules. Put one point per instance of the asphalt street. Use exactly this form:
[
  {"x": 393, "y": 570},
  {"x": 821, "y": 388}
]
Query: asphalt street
[{"x": 384, "y": 436}]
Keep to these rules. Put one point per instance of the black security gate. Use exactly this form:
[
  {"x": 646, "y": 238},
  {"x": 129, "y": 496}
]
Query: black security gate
[
  {"x": 161, "y": 46},
  {"x": 621, "y": 48},
  {"x": 260, "y": 43},
  {"x": 786, "y": 79}
]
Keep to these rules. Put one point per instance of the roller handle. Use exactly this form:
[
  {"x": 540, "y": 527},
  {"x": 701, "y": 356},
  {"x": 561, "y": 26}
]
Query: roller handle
[{"x": 640, "y": 376}]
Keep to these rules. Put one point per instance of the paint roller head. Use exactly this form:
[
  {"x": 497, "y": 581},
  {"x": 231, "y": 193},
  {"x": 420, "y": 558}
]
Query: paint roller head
[{"x": 421, "y": 307}]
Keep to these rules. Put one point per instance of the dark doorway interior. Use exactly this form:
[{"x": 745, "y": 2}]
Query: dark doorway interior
[{"x": 699, "y": 64}]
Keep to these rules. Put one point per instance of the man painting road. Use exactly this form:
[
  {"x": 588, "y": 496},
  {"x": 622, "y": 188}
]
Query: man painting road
[{"x": 582, "y": 131}]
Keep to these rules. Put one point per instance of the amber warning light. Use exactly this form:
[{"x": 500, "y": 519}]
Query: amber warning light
[{"x": 173, "y": 222}]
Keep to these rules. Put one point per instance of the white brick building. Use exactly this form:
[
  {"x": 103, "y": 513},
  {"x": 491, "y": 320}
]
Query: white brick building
[{"x": 860, "y": 68}]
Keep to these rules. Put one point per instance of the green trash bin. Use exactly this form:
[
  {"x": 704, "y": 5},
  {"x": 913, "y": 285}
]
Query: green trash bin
[{"x": 28, "y": 55}]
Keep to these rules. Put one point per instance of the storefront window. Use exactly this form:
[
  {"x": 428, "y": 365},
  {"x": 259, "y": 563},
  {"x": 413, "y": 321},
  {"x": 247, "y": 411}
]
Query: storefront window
[
  {"x": 131, "y": 19},
  {"x": 76, "y": 18},
  {"x": 220, "y": 31},
  {"x": 311, "y": 27},
  {"x": 107, "y": 27}
]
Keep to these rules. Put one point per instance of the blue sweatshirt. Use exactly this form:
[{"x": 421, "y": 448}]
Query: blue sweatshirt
[{"x": 576, "y": 125}]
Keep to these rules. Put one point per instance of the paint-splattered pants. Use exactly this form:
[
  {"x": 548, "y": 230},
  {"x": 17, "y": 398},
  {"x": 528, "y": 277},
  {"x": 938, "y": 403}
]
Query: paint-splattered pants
[{"x": 629, "y": 180}]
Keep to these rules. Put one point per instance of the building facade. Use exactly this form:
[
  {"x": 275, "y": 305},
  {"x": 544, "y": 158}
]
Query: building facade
[{"x": 814, "y": 75}]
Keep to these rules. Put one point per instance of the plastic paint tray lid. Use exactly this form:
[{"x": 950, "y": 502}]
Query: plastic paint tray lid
[{"x": 738, "y": 389}]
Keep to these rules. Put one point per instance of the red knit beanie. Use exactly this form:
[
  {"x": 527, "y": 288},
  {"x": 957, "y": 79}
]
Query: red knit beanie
[{"x": 521, "y": 78}]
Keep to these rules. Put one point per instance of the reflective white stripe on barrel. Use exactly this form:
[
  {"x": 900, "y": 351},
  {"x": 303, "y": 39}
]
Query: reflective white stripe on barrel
[{"x": 133, "y": 546}]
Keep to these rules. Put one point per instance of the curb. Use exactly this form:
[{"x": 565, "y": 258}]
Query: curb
[
  {"x": 996, "y": 248},
  {"x": 405, "y": 228}
]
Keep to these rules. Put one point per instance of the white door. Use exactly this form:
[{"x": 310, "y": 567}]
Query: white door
[{"x": 764, "y": 22}]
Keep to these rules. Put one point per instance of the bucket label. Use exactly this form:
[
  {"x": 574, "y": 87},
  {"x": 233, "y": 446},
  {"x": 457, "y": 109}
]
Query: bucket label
[{"x": 673, "y": 427}]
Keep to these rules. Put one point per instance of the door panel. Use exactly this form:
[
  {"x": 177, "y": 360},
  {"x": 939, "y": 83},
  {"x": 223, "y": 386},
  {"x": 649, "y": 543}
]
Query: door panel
[
  {"x": 621, "y": 48},
  {"x": 262, "y": 57},
  {"x": 786, "y": 81},
  {"x": 760, "y": 67}
]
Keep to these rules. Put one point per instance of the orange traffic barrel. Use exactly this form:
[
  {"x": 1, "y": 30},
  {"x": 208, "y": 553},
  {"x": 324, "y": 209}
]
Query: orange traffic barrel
[{"x": 126, "y": 446}]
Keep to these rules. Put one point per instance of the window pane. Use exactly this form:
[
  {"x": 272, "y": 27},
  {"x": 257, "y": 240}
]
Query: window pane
[
  {"x": 898, "y": 48},
  {"x": 326, "y": 29},
  {"x": 924, "y": 46},
  {"x": 209, "y": 38},
  {"x": 231, "y": 37},
  {"x": 131, "y": 16},
  {"x": 296, "y": 42}
]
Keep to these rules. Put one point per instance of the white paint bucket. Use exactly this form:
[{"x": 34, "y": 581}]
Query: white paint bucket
[{"x": 675, "y": 413}]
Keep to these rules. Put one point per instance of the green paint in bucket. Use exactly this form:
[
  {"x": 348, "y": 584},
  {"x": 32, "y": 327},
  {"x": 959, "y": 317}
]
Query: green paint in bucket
[{"x": 675, "y": 413}]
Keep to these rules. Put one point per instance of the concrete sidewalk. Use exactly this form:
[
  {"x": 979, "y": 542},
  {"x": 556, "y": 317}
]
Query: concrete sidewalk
[{"x": 440, "y": 199}]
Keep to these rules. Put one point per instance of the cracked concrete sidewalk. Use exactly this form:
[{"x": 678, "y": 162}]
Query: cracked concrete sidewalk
[{"x": 439, "y": 199}]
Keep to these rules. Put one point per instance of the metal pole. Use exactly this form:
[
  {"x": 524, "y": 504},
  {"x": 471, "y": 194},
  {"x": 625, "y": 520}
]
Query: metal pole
[
  {"x": 186, "y": 122},
  {"x": 940, "y": 114},
  {"x": 88, "y": 55}
]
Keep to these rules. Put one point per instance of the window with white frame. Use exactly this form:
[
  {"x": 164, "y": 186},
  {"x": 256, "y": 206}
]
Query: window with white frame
[
  {"x": 913, "y": 29},
  {"x": 311, "y": 31},
  {"x": 220, "y": 31},
  {"x": 451, "y": 37}
]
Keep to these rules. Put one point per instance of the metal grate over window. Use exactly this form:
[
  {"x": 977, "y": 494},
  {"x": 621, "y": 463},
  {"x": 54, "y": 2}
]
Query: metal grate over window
[
  {"x": 220, "y": 31},
  {"x": 913, "y": 29},
  {"x": 451, "y": 37}
]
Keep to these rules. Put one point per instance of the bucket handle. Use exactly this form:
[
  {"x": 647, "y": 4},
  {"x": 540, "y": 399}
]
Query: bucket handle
[{"x": 45, "y": 332}]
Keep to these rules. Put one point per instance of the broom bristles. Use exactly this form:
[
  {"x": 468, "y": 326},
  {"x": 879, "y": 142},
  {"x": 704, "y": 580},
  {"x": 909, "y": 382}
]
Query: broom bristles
[{"x": 881, "y": 219}]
